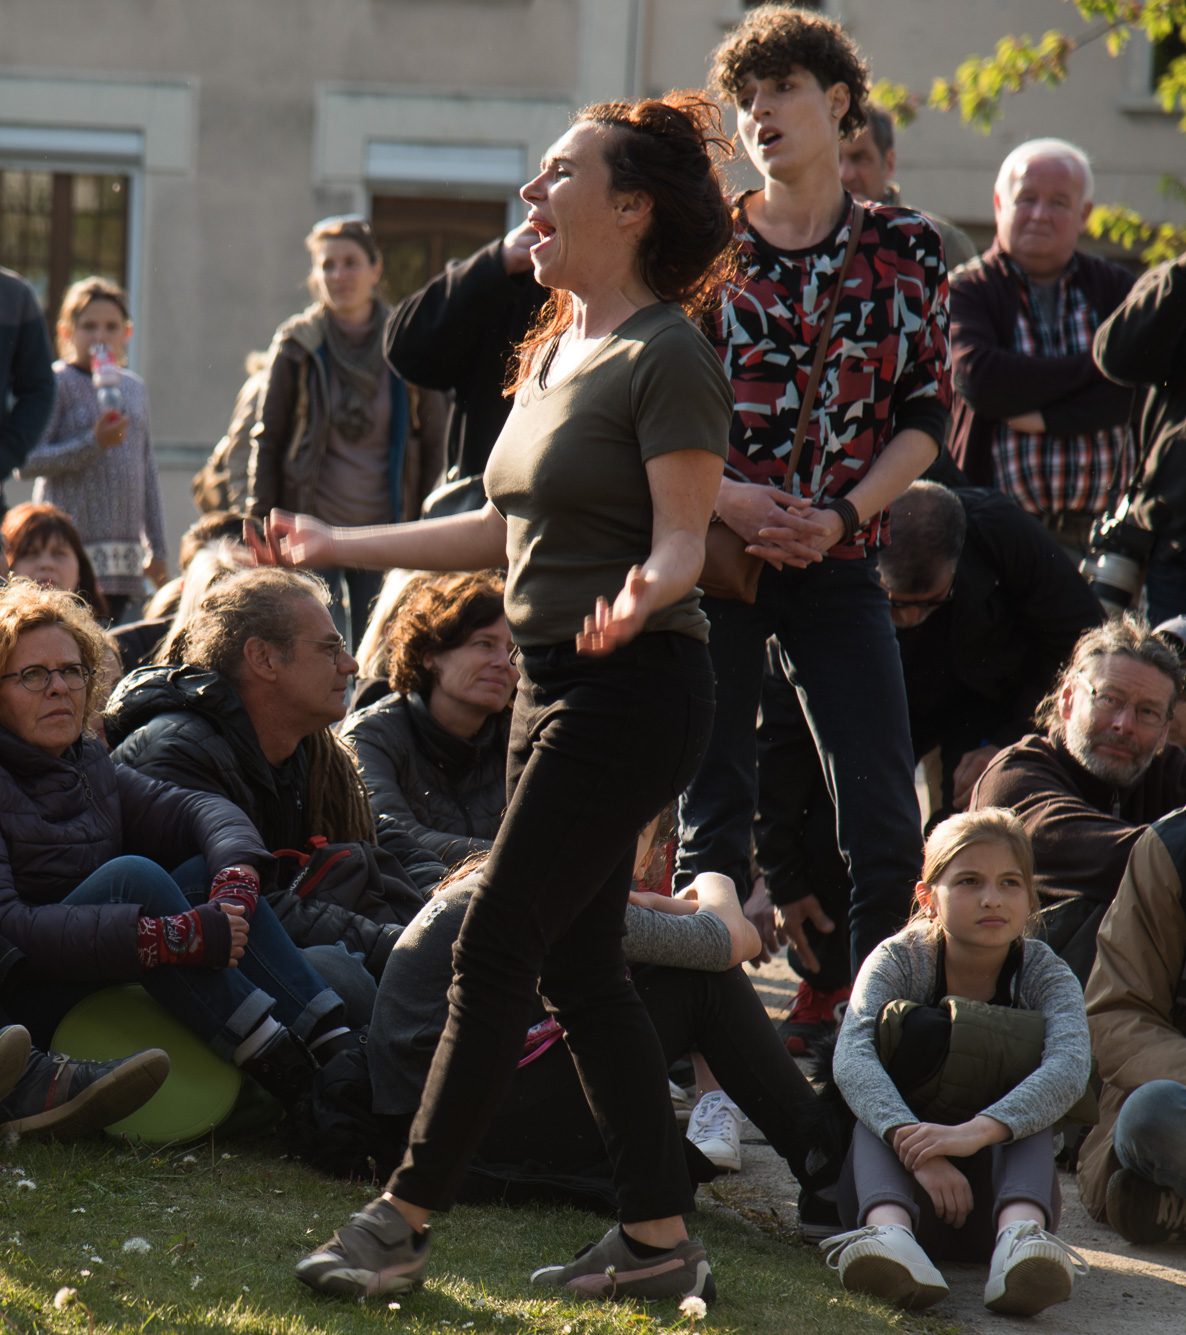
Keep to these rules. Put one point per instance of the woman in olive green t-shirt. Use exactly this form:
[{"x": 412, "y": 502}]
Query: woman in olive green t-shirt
[{"x": 602, "y": 486}]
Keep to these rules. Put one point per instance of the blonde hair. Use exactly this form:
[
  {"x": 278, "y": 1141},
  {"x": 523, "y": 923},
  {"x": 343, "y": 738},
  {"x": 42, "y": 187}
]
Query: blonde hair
[
  {"x": 26, "y": 606},
  {"x": 990, "y": 825},
  {"x": 78, "y": 297}
]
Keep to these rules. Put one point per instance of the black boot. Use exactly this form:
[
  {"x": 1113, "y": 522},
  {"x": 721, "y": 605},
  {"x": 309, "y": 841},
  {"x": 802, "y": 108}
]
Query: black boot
[{"x": 284, "y": 1066}]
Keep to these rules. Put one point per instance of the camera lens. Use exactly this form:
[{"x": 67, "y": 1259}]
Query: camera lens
[{"x": 1115, "y": 579}]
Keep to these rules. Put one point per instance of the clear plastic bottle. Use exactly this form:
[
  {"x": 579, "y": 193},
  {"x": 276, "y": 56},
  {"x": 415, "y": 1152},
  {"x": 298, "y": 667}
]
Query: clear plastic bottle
[{"x": 105, "y": 375}]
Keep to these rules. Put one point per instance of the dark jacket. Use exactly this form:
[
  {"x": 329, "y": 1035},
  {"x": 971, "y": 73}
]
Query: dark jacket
[
  {"x": 1143, "y": 344},
  {"x": 443, "y": 791},
  {"x": 26, "y": 372},
  {"x": 1082, "y": 828},
  {"x": 992, "y": 382},
  {"x": 190, "y": 727},
  {"x": 292, "y": 429},
  {"x": 62, "y": 818},
  {"x": 1019, "y": 607},
  {"x": 459, "y": 333}
]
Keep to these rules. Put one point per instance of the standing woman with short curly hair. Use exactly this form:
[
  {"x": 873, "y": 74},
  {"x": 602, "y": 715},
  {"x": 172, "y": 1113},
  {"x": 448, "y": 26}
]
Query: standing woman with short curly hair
[{"x": 601, "y": 488}]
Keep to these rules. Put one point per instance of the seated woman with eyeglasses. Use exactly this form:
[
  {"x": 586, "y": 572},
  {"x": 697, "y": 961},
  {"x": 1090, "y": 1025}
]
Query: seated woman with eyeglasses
[
  {"x": 333, "y": 437},
  {"x": 91, "y": 890}
]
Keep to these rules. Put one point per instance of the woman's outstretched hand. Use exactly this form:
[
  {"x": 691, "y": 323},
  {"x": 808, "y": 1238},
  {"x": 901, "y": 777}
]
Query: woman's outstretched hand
[
  {"x": 290, "y": 540},
  {"x": 610, "y": 627}
]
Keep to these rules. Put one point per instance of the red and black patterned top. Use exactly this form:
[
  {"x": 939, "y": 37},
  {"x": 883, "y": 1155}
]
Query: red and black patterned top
[{"x": 888, "y": 367}]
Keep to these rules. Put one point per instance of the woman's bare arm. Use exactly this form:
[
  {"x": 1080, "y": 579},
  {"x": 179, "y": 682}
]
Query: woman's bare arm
[{"x": 476, "y": 540}]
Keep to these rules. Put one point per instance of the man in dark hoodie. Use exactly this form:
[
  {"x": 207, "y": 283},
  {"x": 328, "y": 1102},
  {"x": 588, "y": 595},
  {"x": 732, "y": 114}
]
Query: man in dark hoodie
[{"x": 256, "y": 679}]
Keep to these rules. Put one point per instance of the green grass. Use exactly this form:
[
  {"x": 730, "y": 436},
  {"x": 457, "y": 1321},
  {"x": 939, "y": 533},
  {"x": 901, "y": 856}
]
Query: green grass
[{"x": 225, "y": 1226}]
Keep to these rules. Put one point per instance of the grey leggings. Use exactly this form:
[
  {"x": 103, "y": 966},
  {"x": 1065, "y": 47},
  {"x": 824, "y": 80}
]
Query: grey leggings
[{"x": 999, "y": 1175}]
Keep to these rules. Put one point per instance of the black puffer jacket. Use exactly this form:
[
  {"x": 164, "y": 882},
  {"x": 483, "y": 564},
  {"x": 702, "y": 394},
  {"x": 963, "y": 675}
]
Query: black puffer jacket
[
  {"x": 62, "y": 818},
  {"x": 444, "y": 791},
  {"x": 190, "y": 727}
]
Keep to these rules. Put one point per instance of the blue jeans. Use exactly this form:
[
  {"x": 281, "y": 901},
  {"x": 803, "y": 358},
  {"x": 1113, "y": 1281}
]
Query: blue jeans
[
  {"x": 353, "y": 593},
  {"x": 1150, "y": 1134},
  {"x": 840, "y": 653},
  {"x": 1165, "y": 590},
  {"x": 221, "y": 1006}
]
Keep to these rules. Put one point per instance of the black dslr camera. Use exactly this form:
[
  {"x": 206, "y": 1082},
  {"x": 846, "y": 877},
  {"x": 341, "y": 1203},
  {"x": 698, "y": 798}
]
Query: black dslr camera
[{"x": 1117, "y": 553}]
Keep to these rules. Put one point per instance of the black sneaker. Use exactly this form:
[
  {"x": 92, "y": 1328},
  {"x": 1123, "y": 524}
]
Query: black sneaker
[
  {"x": 609, "y": 1269},
  {"x": 66, "y": 1098},
  {"x": 378, "y": 1251},
  {"x": 1142, "y": 1212},
  {"x": 819, "y": 1219}
]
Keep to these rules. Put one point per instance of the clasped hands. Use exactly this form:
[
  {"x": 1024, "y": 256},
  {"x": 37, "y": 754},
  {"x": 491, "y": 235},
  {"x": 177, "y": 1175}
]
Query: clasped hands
[
  {"x": 783, "y": 529},
  {"x": 926, "y": 1150}
]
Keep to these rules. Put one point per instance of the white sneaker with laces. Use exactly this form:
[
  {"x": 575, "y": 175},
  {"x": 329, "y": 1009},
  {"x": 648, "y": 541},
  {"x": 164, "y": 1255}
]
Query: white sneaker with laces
[
  {"x": 1030, "y": 1270},
  {"x": 885, "y": 1261},
  {"x": 715, "y": 1129}
]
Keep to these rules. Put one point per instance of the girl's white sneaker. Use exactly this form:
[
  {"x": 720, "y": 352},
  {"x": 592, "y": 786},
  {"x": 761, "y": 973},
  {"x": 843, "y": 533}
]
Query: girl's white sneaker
[
  {"x": 1030, "y": 1270},
  {"x": 885, "y": 1261}
]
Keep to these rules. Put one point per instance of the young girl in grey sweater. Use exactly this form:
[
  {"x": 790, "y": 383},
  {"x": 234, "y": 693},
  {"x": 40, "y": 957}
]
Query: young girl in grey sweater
[{"x": 988, "y": 1184}]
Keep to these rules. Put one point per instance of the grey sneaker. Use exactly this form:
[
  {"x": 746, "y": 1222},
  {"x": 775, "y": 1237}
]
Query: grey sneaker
[
  {"x": 609, "y": 1269},
  {"x": 1030, "y": 1270},
  {"x": 65, "y": 1098},
  {"x": 14, "y": 1056},
  {"x": 884, "y": 1260},
  {"x": 378, "y": 1251}
]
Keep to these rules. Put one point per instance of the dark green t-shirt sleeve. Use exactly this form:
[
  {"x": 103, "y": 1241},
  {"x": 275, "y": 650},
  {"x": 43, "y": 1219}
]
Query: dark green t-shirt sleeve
[{"x": 682, "y": 398}]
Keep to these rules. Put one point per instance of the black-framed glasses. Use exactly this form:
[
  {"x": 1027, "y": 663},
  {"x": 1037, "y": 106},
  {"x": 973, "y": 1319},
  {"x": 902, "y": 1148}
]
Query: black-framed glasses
[
  {"x": 38, "y": 677},
  {"x": 336, "y": 646},
  {"x": 923, "y": 604},
  {"x": 1111, "y": 704}
]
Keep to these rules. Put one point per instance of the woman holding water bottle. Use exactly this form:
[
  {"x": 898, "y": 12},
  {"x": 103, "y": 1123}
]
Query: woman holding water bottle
[{"x": 95, "y": 460}]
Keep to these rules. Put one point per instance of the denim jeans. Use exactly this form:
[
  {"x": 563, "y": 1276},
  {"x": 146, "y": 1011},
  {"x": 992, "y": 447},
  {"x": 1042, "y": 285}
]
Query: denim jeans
[
  {"x": 353, "y": 593},
  {"x": 221, "y": 1006},
  {"x": 597, "y": 748},
  {"x": 999, "y": 1175},
  {"x": 840, "y": 653},
  {"x": 1165, "y": 590},
  {"x": 1150, "y": 1134}
]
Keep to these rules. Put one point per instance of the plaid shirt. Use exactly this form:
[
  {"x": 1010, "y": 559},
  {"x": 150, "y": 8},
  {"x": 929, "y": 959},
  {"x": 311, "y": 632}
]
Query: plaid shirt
[{"x": 1046, "y": 474}]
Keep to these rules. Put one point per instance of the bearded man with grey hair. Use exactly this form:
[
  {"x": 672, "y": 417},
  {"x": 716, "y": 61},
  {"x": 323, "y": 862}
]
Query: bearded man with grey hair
[
  {"x": 1089, "y": 787},
  {"x": 1034, "y": 417}
]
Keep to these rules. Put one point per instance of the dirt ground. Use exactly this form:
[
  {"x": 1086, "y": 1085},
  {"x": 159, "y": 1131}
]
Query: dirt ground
[{"x": 1129, "y": 1288}]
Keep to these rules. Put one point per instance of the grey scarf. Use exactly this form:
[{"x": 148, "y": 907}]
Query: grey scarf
[{"x": 357, "y": 369}]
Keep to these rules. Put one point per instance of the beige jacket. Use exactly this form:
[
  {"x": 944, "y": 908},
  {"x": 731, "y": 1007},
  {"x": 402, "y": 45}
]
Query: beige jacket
[{"x": 1137, "y": 1033}]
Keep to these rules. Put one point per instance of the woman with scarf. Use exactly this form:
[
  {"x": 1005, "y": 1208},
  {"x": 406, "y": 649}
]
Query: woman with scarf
[{"x": 332, "y": 437}]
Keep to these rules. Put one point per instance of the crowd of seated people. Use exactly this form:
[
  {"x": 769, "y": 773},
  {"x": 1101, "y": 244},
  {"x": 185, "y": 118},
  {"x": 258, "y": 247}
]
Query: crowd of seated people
[{"x": 280, "y": 840}]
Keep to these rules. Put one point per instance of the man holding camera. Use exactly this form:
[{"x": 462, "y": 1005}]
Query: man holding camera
[
  {"x": 1034, "y": 417},
  {"x": 1143, "y": 344}
]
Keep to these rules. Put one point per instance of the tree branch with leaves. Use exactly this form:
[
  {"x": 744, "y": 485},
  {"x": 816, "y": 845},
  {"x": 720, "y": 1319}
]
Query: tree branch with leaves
[{"x": 981, "y": 82}]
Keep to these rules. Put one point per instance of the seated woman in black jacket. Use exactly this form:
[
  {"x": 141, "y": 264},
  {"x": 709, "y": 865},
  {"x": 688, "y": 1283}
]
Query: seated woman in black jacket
[
  {"x": 433, "y": 755},
  {"x": 84, "y": 893}
]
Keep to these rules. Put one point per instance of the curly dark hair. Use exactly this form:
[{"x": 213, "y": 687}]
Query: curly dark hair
[
  {"x": 772, "y": 38},
  {"x": 436, "y": 617},
  {"x": 665, "y": 148}
]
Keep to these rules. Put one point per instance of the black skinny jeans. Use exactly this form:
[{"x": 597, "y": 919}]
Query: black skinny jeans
[
  {"x": 546, "y": 1120},
  {"x": 597, "y": 748}
]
